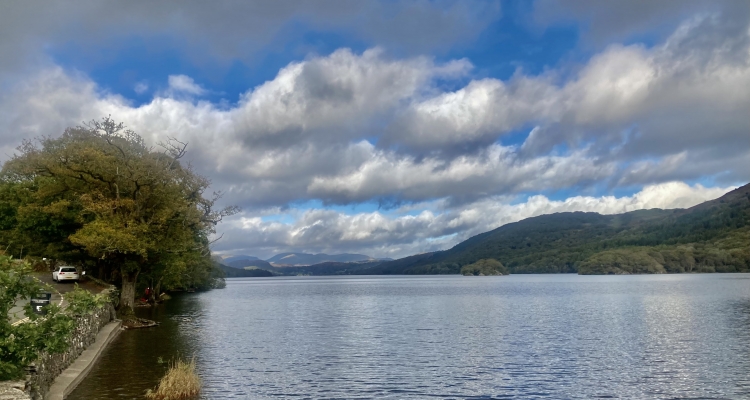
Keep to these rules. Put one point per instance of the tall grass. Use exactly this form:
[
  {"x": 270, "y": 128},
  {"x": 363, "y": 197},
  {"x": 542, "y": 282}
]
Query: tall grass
[{"x": 180, "y": 382}]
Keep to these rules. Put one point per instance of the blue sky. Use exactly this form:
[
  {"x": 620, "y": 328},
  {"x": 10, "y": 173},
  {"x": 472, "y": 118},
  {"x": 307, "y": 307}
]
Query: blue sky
[{"x": 392, "y": 128}]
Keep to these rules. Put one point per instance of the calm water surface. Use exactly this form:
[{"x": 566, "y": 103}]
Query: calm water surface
[{"x": 519, "y": 336}]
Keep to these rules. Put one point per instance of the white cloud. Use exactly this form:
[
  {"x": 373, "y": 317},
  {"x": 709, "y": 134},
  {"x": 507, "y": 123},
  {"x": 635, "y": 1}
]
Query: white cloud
[
  {"x": 183, "y": 84},
  {"x": 683, "y": 97},
  {"x": 493, "y": 170},
  {"x": 140, "y": 87},
  {"x": 479, "y": 112},
  {"x": 334, "y": 98}
]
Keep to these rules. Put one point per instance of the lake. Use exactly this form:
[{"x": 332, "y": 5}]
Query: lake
[{"x": 450, "y": 337}]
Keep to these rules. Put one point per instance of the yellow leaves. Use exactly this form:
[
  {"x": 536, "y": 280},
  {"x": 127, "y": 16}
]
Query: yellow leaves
[
  {"x": 102, "y": 206},
  {"x": 57, "y": 207},
  {"x": 102, "y": 237}
]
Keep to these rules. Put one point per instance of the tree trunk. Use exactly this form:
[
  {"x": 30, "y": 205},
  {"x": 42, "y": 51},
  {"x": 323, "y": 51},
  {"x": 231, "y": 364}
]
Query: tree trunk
[
  {"x": 157, "y": 290},
  {"x": 127, "y": 295}
]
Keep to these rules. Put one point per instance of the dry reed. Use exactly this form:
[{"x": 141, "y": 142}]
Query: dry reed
[{"x": 180, "y": 382}]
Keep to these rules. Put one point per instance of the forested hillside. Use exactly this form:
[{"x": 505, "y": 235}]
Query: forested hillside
[{"x": 711, "y": 237}]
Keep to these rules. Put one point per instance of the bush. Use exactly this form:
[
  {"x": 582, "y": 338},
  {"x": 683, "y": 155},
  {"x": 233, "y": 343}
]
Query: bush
[
  {"x": 21, "y": 344},
  {"x": 82, "y": 301},
  {"x": 180, "y": 382}
]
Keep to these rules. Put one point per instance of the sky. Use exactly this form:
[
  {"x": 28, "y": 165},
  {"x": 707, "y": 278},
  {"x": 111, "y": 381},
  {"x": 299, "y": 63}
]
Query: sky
[{"x": 391, "y": 128}]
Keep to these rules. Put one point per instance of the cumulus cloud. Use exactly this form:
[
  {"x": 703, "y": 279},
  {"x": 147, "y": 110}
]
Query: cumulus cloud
[
  {"x": 48, "y": 101},
  {"x": 493, "y": 170},
  {"x": 683, "y": 100},
  {"x": 183, "y": 84},
  {"x": 475, "y": 114},
  {"x": 401, "y": 233},
  {"x": 335, "y": 97}
]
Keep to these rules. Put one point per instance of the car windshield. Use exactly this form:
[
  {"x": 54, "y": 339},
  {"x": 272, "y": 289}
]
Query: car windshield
[{"x": 67, "y": 270}]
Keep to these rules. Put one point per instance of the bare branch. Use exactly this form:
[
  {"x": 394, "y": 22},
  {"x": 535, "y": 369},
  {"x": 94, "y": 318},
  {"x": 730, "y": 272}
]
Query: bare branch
[{"x": 174, "y": 148}]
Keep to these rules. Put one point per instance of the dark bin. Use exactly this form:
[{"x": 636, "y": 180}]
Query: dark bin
[{"x": 39, "y": 302}]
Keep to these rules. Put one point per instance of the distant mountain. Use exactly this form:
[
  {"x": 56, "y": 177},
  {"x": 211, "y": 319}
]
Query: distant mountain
[
  {"x": 230, "y": 272},
  {"x": 242, "y": 263},
  {"x": 299, "y": 259},
  {"x": 229, "y": 259},
  {"x": 711, "y": 237}
]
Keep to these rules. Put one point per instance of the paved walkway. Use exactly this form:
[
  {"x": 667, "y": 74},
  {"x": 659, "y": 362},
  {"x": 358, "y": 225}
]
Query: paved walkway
[{"x": 74, "y": 374}]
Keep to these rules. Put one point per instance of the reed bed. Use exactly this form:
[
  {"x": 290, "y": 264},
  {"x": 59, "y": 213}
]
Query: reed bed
[{"x": 180, "y": 382}]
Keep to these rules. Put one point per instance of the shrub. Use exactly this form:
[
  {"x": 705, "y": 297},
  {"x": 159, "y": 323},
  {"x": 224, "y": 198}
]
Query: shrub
[
  {"x": 82, "y": 301},
  {"x": 180, "y": 382},
  {"x": 21, "y": 344}
]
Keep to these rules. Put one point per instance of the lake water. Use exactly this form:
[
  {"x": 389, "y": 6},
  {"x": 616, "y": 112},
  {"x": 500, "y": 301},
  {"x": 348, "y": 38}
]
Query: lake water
[{"x": 397, "y": 337}]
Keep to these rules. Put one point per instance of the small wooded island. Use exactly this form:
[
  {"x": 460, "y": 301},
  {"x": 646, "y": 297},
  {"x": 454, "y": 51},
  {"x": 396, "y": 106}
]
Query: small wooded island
[{"x": 484, "y": 267}]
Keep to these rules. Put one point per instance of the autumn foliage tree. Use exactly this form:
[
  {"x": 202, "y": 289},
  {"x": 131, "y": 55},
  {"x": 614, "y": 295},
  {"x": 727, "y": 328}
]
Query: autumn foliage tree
[{"x": 112, "y": 201}]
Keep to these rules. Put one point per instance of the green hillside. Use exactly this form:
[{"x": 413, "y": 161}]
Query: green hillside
[{"x": 711, "y": 237}]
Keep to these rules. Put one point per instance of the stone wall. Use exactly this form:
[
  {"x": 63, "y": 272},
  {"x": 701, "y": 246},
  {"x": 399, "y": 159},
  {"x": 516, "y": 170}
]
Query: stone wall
[
  {"x": 48, "y": 366},
  {"x": 13, "y": 390}
]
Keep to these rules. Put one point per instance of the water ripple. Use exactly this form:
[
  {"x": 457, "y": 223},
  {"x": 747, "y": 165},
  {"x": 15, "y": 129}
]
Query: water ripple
[{"x": 551, "y": 336}]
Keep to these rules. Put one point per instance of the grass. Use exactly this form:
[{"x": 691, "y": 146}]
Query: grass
[{"x": 180, "y": 382}]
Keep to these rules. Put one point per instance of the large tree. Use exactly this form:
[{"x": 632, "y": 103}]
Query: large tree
[{"x": 125, "y": 207}]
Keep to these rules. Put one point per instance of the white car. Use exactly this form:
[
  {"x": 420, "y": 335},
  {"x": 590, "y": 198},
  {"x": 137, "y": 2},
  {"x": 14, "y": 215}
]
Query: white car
[{"x": 65, "y": 273}]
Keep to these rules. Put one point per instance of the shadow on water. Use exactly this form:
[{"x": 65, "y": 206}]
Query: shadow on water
[{"x": 138, "y": 358}]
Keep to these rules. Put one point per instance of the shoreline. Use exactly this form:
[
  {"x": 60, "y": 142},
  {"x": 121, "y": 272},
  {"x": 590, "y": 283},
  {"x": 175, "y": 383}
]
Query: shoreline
[
  {"x": 57, "y": 374},
  {"x": 69, "y": 379}
]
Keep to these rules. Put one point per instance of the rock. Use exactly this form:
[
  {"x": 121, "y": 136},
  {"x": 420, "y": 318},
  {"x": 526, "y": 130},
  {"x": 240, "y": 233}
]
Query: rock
[{"x": 13, "y": 390}]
